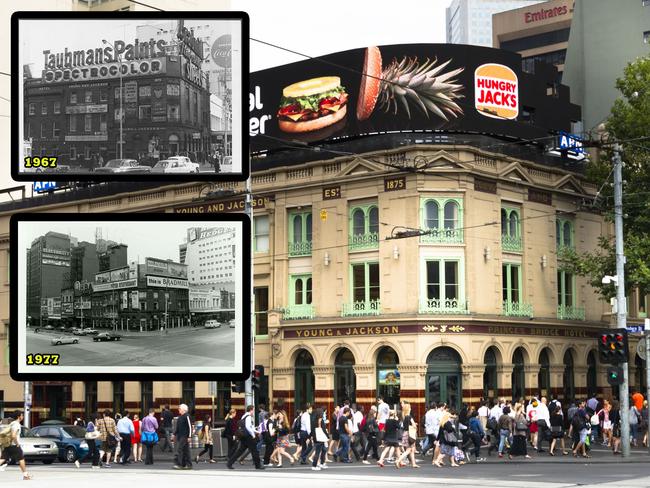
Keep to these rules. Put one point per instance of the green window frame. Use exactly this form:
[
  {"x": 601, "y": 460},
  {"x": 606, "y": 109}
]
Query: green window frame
[
  {"x": 443, "y": 219},
  {"x": 511, "y": 229},
  {"x": 300, "y": 233},
  {"x": 512, "y": 291},
  {"x": 261, "y": 233},
  {"x": 564, "y": 234},
  {"x": 365, "y": 289},
  {"x": 300, "y": 297},
  {"x": 566, "y": 297},
  {"x": 364, "y": 227},
  {"x": 443, "y": 285}
]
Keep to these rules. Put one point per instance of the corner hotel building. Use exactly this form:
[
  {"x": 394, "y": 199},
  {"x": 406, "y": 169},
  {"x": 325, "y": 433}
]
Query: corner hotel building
[{"x": 480, "y": 306}]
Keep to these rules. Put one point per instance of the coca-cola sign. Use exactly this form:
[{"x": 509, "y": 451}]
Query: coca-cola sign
[{"x": 221, "y": 51}]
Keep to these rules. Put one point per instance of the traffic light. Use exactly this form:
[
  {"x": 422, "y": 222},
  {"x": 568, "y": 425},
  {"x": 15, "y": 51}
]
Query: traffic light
[
  {"x": 615, "y": 375},
  {"x": 238, "y": 387},
  {"x": 256, "y": 376},
  {"x": 613, "y": 347}
]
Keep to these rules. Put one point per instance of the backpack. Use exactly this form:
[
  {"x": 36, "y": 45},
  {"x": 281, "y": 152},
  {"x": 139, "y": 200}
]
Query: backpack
[
  {"x": 241, "y": 428},
  {"x": 492, "y": 423},
  {"x": 295, "y": 428},
  {"x": 595, "y": 419},
  {"x": 5, "y": 435}
]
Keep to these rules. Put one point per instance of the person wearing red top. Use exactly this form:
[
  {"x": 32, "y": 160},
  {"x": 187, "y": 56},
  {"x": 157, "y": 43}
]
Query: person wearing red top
[{"x": 135, "y": 439}]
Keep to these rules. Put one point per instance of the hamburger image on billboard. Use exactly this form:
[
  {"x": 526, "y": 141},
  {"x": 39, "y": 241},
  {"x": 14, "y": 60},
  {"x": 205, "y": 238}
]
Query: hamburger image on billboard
[
  {"x": 496, "y": 91},
  {"x": 312, "y": 104}
]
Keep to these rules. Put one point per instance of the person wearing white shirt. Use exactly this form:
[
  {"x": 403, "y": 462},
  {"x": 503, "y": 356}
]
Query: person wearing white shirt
[
  {"x": 543, "y": 423},
  {"x": 483, "y": 414},
  {"x": 126, "y": 430},
  {"x": 429, "y": 424},
  {"x": 496, "y": 411},
  {"x": 305, "y": 433},
  {"x": 382, "y": 413}
]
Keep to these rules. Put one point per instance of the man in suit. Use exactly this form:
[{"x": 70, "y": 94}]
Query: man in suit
[{"x": 181, "y": 437}]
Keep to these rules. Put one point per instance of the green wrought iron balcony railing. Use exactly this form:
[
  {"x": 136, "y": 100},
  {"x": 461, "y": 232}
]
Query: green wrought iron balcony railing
[
  {"x": 567, "y": 312},
  {"x": 359, "y": 242},
  {"x": 517, "y": 309},
  {"x": 443, "y": 236},
  {"x": 444, "y": 307},
  {"x": 511, "y": 243},
  {"x": 300, "y": 248},
  {"x": 357, "y": 309},
  {"x": 296, "y": 312}
]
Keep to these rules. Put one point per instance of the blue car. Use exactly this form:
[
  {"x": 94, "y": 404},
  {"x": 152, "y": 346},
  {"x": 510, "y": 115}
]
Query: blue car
[{"x": 70, "y": 439}]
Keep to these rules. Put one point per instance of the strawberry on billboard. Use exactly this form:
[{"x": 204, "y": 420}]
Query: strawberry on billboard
[{"x": 407, "y": 88}]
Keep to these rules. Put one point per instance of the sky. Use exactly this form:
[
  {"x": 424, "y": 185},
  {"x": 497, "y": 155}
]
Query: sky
[
  {"x": 307, "y": 26},
  {"x": 145, "y": 239}
]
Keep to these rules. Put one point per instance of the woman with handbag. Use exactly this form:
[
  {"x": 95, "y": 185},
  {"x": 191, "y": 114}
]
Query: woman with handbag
[
  {"x": 149, "y": 435},
  {"x": 205, "y": 436},
  {"x": 519, "y": 447},
  {"x": 320, "y": 438},
  {"x": 615, "y": 419},
  {"x": 92, "y": 434},
  {"x": 408, "y": 437},
  {"x": 391, "y": 438},
  {"x": 372, "y": 430},
  {"x": 448, "y": 441},
  {"x": 283, "y": 439},
  {"x": 557, "y": 431}
]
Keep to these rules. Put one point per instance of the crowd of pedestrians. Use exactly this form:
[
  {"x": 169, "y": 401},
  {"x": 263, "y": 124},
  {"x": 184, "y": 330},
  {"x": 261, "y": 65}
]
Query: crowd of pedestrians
[{"x": 387, "y": 434}]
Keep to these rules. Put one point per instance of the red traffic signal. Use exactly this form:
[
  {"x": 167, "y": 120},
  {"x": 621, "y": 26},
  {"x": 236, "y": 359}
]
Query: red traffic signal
[{"x": 613, "y": 346}]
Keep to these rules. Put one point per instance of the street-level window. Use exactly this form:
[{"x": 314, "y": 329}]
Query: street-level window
[
  {"x": 565, "y": 289},
  {"x": 144, "y": 112},
  {"x": 87, "y": 152},
  {"x": 44, "y": 108},
  {"x": 73, "y": 123},
  {"x": 32, "y": 109},
  {"x": 88, "y": 98},
  {"x": 102, "y": 123},
  {"x": 103, "y": 95},
  {"x": 511, "y": 280},
  {"x": 365, "y": 282},
  {"x": 173, "y": 90},
  {"x": 510, "y": 229},
  {"x": 88, "y": 122},
  {"x": 300, "y": 233},
  {"x": 73, "y": 97},
  {"x": 43, "y": 130},
  {"x": 57, "y": 107},
  {"x": 144, "y": 91},
  {"x": 261, "y": 233},
  {"x": 73, "y": 152},
  {"x": 56, "y": 130}
]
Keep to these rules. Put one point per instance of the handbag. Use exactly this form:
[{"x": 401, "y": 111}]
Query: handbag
[
  {"x": 149, "y": 438},
  {"x": 320, "y": 435},
  {"x": 521, "y": 425},
  {"x": 413, "y": 432},
  {"x": 92, "y": 435},
  {"x": 556, "y": 428},
  {"x": 450, "y": 437}
]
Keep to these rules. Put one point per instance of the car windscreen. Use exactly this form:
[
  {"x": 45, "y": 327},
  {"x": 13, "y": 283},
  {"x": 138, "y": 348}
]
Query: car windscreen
[
  {"x": 114, "y": 163},
  {"x": 161, "y": 164},
  {"x": 74, "y": 431}
]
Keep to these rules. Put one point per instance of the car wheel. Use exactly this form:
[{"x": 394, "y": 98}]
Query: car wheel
[
  {"x": 58, "y": 343},
  {"x": 117, "y": 338},
  {"x": 49, "y": 461},
  {"x": 70, "y": 455},
  {"x": 75, "y": 341}
]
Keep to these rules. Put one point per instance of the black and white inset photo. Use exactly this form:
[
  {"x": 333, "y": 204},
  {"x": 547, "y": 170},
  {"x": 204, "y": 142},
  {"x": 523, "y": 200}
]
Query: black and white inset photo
[
  {"x": 105, "y": 296},
  {"x": 152, "y": 96}
]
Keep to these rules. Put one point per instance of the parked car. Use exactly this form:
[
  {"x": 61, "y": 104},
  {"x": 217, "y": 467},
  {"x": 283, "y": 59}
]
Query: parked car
[
  {"x": 59, "y": 340},
  {"x": 107, "y": 336},
  {"x": 226, "y": 164},
  {"x": 183, "y": 159},
  {"x": 212, "y": 324},
  {"x": 121, "y": 166},
  {"x": 231, "y": 323},
  {"x": 90, "y": 331},
  {"x": 48, "y": 327},
  {"x": 62, "y": 329},
  {"x": 36, "y": 448},
  {"x": 171, "y": 166},
  {"x": 78, "y": 332},
  {"x": 70, "y": 440}
]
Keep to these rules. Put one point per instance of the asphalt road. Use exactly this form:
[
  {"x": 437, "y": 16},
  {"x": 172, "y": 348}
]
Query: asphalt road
[{"x": 192, "y": 347}]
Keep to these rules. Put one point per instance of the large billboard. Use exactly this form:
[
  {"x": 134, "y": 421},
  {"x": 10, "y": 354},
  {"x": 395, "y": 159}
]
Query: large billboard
[{"x": 405, "y": 88}]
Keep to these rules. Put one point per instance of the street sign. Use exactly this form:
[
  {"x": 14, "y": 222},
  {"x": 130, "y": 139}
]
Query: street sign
[
  {"x": 640, "y": 348},
  {"x": 635, "y": 328},
  {"x": 44, "y": 186}
]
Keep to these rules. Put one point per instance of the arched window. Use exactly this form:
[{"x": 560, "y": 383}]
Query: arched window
[
  {"x": 592, "y": 374},
  {"x": 490, "y": 386},
  {"x": 308, "y": 220},
  {"x": 308, "y": 291},
  {"x": 373, "y": 220},
  {"x": 304, "y": 379},
  {"x": 431, "y": 214},
  {"x": 358, "y": 222},
  {"x": 444, "y": 380},
  {"x": 504, "y": 222},
  {"x": 298, "y": 292},
  {"x": 344, "y": 377},
  {"x": 558, "y": 233},
  {"x": 567, "y": 234},
  {"x": 544, "y": 375},
  {"x": 297, "y": 228},
  {"x": 451, "y": 215},
  {"x": 568, "y": 378},
  {"x": 518, "y": 375},
  {"x": 513, "y": 224},
  {"x": 388, "y": 378}
]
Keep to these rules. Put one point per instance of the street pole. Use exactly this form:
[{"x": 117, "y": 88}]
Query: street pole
[
  {"x": 119, "y": 58},
  {"x": 621, "y": 305},
  {"x": 647, "y": 366},
  {"x": 28, "y": 403},
  {"x": 249, "y": 397}
]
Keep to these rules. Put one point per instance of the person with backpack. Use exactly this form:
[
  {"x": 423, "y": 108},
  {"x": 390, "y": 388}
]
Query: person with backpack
[
  {"x": 320, "y": 438},
  {"x": 166, "y": 420},
  {"x": 10, "y": 444},
  {"x": 372, "y": 431},
  {"x": 635, "y": 420},
  {"x": 580, "y": 427},
  {"x": 246, "y": 433},
  {"x": 109, "y": 437},
  {"x": 149, "y": 435},
  {"x": 476, "y": 435}
]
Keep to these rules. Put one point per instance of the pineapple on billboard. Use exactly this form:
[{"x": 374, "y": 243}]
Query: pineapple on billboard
[{"x": 407, "y": 88}]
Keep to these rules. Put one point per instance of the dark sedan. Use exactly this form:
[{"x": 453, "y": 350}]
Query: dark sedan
[
  {"x": 107, "y": 336},
  {"x": 123, "y": 166},
  {"x": 70, "y": 439}
]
